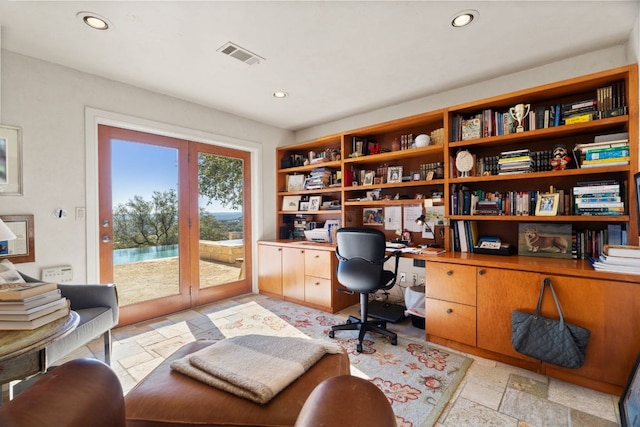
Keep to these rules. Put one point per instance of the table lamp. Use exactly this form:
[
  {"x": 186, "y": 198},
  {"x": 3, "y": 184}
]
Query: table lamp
[{"x": 6, "y": 233}]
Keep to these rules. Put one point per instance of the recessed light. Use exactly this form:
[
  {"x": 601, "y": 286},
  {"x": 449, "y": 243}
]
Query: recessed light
[
  {"x": 464, "y": 18},
  {"x": 94, "y": 20},
  {"x": 280, "y": 94}
]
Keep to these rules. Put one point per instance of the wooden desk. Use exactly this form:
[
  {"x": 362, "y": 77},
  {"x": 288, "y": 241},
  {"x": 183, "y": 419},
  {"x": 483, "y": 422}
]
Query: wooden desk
[{"x": 22, "y": 353}]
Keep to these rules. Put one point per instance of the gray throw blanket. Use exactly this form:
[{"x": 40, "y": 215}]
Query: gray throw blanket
[{"x": 255, "y": 367}]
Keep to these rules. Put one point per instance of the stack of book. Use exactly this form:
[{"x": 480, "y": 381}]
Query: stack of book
[
  {"x": 602, "y": 197},
  {"x": 612, "y": 100},
  {"x": 319, "y": 178},
  {"x": 618, "y": 259},
  {"x": 516, "y": 161},
  {"x": 25, "y": 306},
  {"x": 605, "y": 150}
]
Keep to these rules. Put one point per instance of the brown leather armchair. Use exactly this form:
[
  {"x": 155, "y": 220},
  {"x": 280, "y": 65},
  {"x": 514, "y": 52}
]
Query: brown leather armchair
[{"x": 80, "y": 393}]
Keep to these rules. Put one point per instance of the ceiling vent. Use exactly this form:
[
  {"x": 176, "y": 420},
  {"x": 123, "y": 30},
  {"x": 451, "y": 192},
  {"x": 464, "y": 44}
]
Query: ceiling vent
[{"x": 241, "y": 54}]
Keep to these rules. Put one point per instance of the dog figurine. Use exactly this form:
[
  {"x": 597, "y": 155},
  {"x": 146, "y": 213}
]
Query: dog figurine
[{"x": 536, "y": 242}]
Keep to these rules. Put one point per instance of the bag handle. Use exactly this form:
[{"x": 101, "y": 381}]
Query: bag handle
[{"x": 546, "y": 282}]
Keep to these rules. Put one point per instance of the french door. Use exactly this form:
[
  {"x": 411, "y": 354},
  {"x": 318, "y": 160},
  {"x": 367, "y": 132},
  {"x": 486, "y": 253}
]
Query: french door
[{"x": 174, "y": 218}]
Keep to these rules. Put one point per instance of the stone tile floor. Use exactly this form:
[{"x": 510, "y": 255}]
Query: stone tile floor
[{"x": 491, "y": 394}]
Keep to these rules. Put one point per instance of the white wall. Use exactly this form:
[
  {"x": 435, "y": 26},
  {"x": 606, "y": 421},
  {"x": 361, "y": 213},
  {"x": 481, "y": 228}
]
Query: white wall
[
  {"x": 49, "y": 103},
  {"x": 572, "y": 67}
]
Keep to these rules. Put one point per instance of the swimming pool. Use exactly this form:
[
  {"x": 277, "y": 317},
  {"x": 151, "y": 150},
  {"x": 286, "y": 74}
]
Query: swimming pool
[{"x": 124, "y": 256}]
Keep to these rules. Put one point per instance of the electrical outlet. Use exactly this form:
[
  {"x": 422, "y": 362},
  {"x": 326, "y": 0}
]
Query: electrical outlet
[{"x": 403, "y": 277}]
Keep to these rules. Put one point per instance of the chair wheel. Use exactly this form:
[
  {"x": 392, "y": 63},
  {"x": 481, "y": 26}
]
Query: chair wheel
[
  {"x": 332, "y": 334},
  {"x": 394, "y": 342},
  {"x": 359, "y": 348}
]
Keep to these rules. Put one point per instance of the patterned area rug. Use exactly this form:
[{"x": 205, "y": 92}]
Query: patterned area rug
[{"x": 417, "y": 377}]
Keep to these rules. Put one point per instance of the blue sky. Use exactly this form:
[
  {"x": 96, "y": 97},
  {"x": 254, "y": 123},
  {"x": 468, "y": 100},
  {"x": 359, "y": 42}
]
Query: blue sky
[{"x": 141, "y": 169}]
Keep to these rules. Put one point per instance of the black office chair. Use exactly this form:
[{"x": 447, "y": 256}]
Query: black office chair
[{"x": 361, "y": 255}]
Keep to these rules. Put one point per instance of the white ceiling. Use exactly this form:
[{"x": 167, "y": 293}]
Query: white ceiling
[{"x": 334, "y": 58}]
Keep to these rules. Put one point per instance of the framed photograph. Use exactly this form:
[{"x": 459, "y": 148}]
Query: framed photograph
[
  {"x": 394, "y": 174},
  {"x": 304, "y": 206},
  {"x": 372, "y": 216},
  {"x": 291, "y": 203},
  {"x": 10, "y": 161},
  {"x": 368, "y": 178},
  {"x": 629, "y": 403},
  {"x": 430, "y": 175},
  {"x": 20, "y": 249},
  {"x": 547, "y": 204},
  {"x": 295, "y": 182},
  {"x": 314, "y": 203},
  {"x": 544, "y": 240}
]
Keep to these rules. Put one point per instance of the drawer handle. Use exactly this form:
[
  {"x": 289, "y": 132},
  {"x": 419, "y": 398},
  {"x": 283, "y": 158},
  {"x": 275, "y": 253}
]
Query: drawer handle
[
  {"x": 449, "y": 273},
  {"x": 317, "y": 256},
  {"x": 449, "y": 311},
  {"x": 317, "y": 283},
  {"x": 481, "y": 272}
]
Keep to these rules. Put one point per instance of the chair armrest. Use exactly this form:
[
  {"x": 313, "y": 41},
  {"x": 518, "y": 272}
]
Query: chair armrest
[
  {"x": 82, "y": 392},
  {"x": 346, "y": 400},
  {"x": 89, "y": 296}
]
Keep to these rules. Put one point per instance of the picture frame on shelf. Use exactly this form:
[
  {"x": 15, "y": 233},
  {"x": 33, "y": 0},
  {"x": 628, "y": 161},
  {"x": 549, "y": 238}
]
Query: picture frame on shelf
[
  {"x": 394, "y": 174},
  {"x": 304, "y": 205},
  {"x": 10, "y": 161},
  {"x": 291, "y": 203},
  {"x": 314, "y": 203},
  {"x": 544, "y": 240},
  {"x": 21, "y": 249},
  {"x": 368, "y": 178},
  {"x": 373, "y": 216},
  {"x": 429, "y": 176},
  {"x": 295, "y": 182},
  {"x": 547, "y": 204}
]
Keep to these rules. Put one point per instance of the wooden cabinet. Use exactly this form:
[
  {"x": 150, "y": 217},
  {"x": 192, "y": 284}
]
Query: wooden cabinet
[
  {"x": 450, "y": 305},
  {"x": 297, "y": 272},
  {"x": 610, "y": 309}
]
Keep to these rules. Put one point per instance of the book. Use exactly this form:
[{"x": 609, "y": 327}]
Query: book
[
  {"x": 33, "y": 313},
  {"x": 20, "y": 291},
  {"x": 9, "y": 325},
  {"x": 622, "y": 251},
  {"x": 432, "y": 251},
  {"x": 31, "y": 302},
  {"x": 471, "y": 128}
]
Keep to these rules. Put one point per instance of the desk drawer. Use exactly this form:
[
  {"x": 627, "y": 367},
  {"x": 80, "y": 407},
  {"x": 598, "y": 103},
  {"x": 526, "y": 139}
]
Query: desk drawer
[
  {"x": 317, "y": 290},
  {"x": 456, "y": 322},
  {"x": 317, "y": 263},
  {"x": 451, "y": 282}
]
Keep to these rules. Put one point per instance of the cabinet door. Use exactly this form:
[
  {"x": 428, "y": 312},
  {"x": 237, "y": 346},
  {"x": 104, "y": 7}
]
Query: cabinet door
[
  {"x": 451, "y": 282},
  {"x": 499, "y": 293},
  {"x": 317, "y": 263},
  {"x": 293, "y": 273},
  {"x": 582, "y": 302},
  {"x": 270, "y": 269}
]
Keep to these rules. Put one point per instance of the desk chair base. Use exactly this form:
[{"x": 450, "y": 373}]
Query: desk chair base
[{"x": 364, "y": 324}]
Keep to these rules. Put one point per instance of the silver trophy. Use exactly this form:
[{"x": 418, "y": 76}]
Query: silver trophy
[{"x": 519, "y": 112}]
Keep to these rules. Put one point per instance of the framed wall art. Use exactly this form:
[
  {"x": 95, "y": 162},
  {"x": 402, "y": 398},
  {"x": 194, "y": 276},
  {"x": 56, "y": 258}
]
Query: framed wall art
[
  {"x": 394, "y": 174},
  {"x": 21, "y": 249},
  {"x": 10, "y": 161}
]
